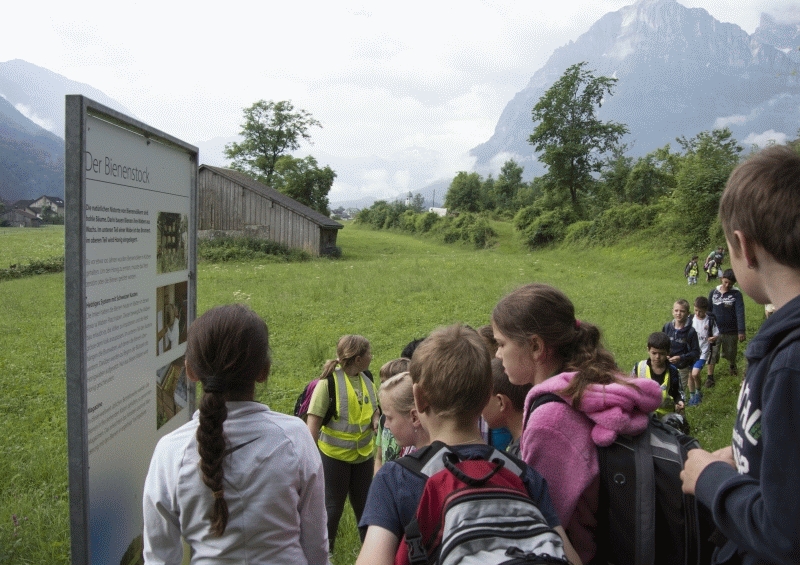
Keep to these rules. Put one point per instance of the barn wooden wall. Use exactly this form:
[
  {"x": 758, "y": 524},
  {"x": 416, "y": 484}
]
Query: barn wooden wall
[{"x": 227, "y": 206}]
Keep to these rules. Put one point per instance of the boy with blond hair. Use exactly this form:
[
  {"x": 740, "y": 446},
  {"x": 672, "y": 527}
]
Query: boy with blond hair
[
  {"x": 753, "y": 487},
  {"x": 452, "y": 383}
]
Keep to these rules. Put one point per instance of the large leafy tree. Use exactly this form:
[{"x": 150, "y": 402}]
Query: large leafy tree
[
  {"x": 464, "y": 194},
  {"x": 270, "y": 131},
  {"x": 305, "y": 181},
  {"x": 508, "y": 184},
  {"x": 569, "y": 136}
]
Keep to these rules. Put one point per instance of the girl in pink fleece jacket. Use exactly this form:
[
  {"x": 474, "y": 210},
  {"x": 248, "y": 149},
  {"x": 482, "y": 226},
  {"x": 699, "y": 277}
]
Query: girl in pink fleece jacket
[{"x": 542, "y": 343}]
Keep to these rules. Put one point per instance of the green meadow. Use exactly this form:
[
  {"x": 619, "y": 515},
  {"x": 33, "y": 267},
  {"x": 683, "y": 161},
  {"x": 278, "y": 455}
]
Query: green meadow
[{"x": 387, "y": 286}]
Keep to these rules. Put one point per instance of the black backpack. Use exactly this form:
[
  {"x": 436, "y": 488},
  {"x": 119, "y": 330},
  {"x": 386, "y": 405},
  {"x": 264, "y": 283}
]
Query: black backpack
[
  {"x": 304, "y": 398},
  {"x": 643, "y": 516}
]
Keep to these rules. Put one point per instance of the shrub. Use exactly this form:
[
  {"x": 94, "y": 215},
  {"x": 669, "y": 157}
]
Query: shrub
[
  {"x": 226, "y": 248},
  {"x": 426, "y": 221},
  {"x": 51, "y": 265},
  {"x": 579, "y": 232},
  {"x": 540, "y": 228},
  {"x": 621, "y": 220}
]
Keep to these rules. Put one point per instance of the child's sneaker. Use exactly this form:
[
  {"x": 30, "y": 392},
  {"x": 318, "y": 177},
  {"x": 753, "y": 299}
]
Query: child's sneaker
[
  {"x": 734, "y": 371},
  {"x": 693, "y": 400},
  {"x": 710, "y": 381}
]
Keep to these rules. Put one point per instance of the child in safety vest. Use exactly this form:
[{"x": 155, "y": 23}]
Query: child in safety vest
[
  {"x": 346, "y": 442},
  {"x": 452, "y": 383},
  {"x": 691, "y": 270},
  {"x": 658, "y": 368}
]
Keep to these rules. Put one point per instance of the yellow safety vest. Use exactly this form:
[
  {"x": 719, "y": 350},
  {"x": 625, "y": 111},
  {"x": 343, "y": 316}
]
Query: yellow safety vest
[
  {"x": 348, "y": 437},
  {"x": 667, "y": 402}
]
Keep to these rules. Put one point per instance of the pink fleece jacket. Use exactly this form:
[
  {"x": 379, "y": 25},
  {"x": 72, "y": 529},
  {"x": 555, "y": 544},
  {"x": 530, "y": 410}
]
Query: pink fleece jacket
[{"x": 559, "y": 442}]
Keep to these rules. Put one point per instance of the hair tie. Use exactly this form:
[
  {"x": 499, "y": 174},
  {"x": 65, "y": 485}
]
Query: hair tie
[
  {"x": 577, "y": 324},
  {"x": 219, "y": 493},
  {"x": 215, "y": 384}
]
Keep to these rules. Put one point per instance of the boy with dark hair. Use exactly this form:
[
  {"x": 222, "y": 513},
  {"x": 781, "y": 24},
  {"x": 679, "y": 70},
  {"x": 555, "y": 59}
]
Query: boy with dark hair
[
  {"x": 684, "y": 347},
  {"x": 727, "y": 306},
  {"x": 506, "y": 405},
  {"x": 452, "y": 383},
  {"x": 753, "y": 487},
  {"x": 705, "y": 325},
  {"x": 658, "y": 368}
]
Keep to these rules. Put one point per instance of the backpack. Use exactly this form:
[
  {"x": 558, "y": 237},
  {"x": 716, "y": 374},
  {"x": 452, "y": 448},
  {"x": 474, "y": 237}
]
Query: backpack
[
  {"x": 475, "y": 511},
  {"x": 643, "y": 516},
  {"x": 304, "y": 398}
]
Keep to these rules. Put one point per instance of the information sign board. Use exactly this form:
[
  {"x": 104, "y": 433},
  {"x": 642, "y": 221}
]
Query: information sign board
[{"x": 130, "y": 297}]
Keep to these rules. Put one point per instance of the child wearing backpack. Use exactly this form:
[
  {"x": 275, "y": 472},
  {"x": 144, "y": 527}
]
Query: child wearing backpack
[
  {"x": 506, "y": 406},
  {"x": 452, "y": 383},
  {"x": 543, "y": 344},
  {"x": 753, "y": 487},
  {"x": 346, "y": 441},
  {"x": 690, "y": 270},
  {"x": 658, "y": 368},
  {"x": 240, "y": 482},
  {"x": 705, "y": 325},
  {"x": 386, "y": 448}
]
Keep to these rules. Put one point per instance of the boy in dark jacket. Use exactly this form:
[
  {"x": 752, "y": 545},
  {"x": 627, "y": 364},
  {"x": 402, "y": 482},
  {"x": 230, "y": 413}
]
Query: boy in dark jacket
[
  {"x": 727, "y": 307},
  {"x": 753, "y": 487},
  {"x": 684, "y": 345}
]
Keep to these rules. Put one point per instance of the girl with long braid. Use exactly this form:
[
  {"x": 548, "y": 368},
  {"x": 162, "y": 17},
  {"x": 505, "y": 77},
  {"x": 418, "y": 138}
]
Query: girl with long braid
[{"x": 240, "y": 483}]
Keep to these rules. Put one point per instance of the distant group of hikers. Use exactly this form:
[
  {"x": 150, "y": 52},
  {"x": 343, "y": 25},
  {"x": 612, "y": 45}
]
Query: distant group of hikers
[
  {"x": 711, "y": 267},
  {"x": 241, "y": 483}
]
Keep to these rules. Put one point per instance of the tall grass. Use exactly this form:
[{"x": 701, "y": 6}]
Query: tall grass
[{"x": 388, "y": 287}]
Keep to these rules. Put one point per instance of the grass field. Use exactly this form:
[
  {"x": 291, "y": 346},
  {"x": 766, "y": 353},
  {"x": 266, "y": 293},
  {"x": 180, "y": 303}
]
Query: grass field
[
  {"x": 389, "y": 287},
  {"x": 20, "y": 246}
]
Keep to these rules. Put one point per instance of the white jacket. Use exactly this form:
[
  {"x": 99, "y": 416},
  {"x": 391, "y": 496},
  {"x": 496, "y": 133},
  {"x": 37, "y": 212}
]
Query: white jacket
[{"x": 274, "y": 487}]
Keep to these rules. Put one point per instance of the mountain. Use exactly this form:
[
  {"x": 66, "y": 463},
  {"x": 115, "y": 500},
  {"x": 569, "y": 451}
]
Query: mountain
[
  {"x": 679, "y": 71},
  {"x": 32, "y": 128},
  {"x": 39, "y": 94},
  {"x": 31, "y": 158}
]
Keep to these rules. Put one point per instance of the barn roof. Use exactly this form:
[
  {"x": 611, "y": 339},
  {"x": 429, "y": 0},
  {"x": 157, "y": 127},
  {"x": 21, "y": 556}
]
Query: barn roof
[{"x": 285, "y": 201}]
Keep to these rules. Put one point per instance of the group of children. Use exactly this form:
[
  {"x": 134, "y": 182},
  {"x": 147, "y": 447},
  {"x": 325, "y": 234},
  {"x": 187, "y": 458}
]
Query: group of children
[
  {"x": 712, "y": 266},
  {"x": 241, "y": 483}
]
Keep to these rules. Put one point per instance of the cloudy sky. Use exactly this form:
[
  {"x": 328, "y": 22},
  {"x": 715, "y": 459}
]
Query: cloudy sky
[{"x": 403, "y": 90}]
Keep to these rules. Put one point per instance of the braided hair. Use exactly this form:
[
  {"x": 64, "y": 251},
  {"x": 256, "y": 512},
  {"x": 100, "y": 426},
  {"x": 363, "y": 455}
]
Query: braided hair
[{"x": 227, "y": 350}]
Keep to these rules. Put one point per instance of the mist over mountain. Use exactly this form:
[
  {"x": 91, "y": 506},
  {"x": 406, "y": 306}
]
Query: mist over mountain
[
  {"x": 679, "y": 71},
  {"x": 31, "y": 158},
  {"x": 38, "y": 94},
  {"x": 32, "y": 128}
]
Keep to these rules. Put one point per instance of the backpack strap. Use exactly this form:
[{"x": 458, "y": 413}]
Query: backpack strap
[
  {"x": 543, "y": 399},
  {"x": 330, "y": 414}
]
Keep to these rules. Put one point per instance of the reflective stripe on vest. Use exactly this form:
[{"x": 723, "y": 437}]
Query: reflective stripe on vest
[
  {"x": 349, "y": 436},
  {"x": 667, "y": 403}
]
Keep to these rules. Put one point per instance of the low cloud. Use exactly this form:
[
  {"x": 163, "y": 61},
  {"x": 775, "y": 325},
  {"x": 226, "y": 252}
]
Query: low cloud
[{"x": 769, "y": 137}]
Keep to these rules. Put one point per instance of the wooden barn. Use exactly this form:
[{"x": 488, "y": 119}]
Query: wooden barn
[{"x": 231, "y": 201}]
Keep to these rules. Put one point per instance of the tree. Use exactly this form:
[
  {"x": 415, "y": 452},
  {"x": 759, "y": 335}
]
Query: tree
[
  {"x": 270, "y": 130},
  {"x": 508, "y": 184},
  {"x": 569, "y": 136},
  {"x": 418, "y": 203},
  {"x": 464, "y": 194},
  {"x": 303, "y": 180},
  {"x": 702, "y": 174}
]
